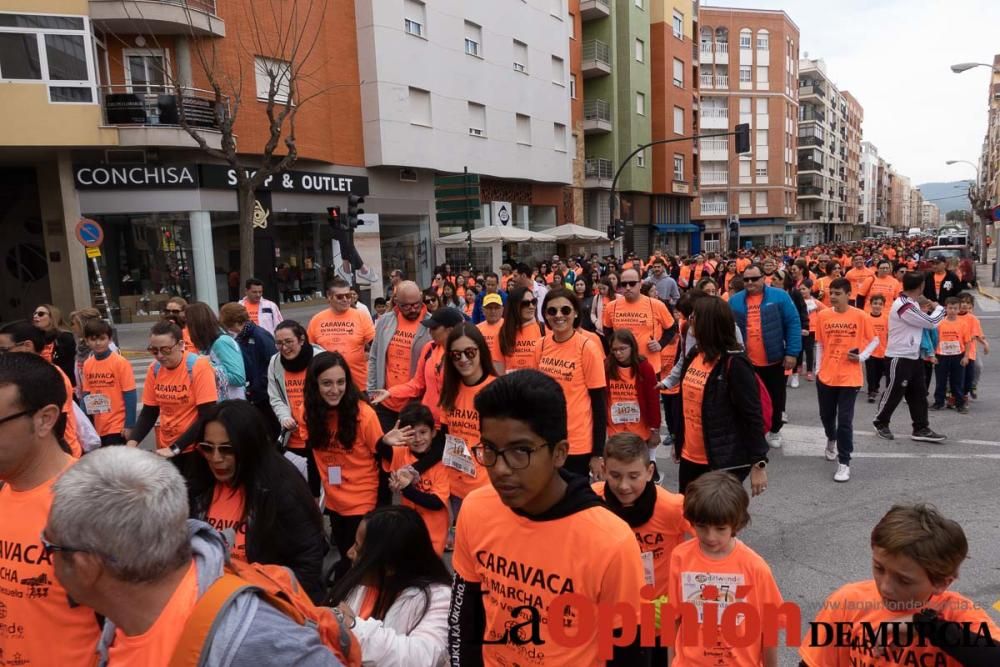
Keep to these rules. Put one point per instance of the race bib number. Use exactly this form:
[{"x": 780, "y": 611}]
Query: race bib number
[
  {"x": 96, "y": 404},
  {"x": 334, "y": 475},
  {"x": 647, "y": 567},
  {"x": 626, "y": 412},
  {"x": 458, "y": 456},
  {"x": 950, "y": 347},
  {"x": 700, "y": 587}
]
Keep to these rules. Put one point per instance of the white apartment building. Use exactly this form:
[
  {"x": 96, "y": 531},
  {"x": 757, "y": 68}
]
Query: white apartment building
[
  {"x": 930, "y": 215},
  {"x": 869, "y": 184}
]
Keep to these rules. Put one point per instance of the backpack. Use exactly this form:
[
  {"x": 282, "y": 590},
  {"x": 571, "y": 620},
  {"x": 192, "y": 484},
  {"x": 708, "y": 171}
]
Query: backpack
[
  {"x": 766, "y": 406},
  {"x": 221, "y": 381},
  {"x": 277, "y": 586}
]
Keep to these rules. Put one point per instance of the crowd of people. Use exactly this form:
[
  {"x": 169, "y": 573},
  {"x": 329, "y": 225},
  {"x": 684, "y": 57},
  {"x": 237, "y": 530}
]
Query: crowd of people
[{"x": 309, "y": 478}]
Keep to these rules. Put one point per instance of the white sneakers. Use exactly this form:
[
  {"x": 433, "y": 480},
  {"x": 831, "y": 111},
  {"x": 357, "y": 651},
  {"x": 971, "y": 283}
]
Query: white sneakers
[
  {"x": 795, "y": 381},
  {"x": 831, "y": 450},
  {"x": 843, "y": 473},
  {"x": 773, "y": 440}
]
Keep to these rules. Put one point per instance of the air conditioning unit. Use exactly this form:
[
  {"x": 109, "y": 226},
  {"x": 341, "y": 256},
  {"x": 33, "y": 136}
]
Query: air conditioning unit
[
  {"x": 476, "y": 132},
  {"x": 408, "y": 175}
]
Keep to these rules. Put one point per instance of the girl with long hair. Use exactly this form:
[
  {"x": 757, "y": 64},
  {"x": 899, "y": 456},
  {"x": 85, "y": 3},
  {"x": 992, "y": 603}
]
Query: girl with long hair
[
  {"x": 633, "y": 397},
  {"x": 448, "y": 296},
  {"x": 521, "y": 331},
  {"x": 209, "y": 339},
  {"x": 60, "y": 346}
]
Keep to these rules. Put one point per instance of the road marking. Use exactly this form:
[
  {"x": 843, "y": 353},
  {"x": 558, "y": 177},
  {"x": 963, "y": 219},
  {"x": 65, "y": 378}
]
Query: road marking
[{"x": 811, "y": 441}]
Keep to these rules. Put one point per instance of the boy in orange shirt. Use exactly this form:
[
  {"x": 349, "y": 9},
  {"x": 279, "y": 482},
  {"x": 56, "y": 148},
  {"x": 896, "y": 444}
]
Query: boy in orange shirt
[
  {"x": 875, "y": 366},
  {"x": 954, "y": 341},
  {"x": 108, "y": 384},
  {"x": 720, "y": 569},
  {"x": 966, "y": 304},
  {"x": 916, "y": 554}
]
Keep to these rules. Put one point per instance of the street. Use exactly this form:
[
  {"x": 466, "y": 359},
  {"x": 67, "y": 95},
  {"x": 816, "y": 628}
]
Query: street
[{"x": 814, "y": 532}]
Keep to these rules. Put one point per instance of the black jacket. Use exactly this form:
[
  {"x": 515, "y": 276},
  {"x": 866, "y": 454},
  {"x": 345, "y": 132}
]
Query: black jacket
[
  {"x": 63, "y": 352},
  {"x": 257, "y": 347},
  {"x": 800, "y": 305},
  {"x": 731, "y": 415},
  {"x": 950, "y": 286}
]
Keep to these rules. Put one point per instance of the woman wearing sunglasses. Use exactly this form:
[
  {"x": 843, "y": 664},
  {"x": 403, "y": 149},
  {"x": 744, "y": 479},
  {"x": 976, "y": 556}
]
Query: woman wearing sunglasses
[
  {"x": 60, "y": 346},
  {"x": 243, "y": 487},
  {"x": 576, "y": 362},
  {"x": 521, "y": 331}
]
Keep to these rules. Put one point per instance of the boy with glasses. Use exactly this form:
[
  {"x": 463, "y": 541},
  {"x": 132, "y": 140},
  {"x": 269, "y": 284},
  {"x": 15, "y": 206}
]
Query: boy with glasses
[{"x": 513, "y": 538}]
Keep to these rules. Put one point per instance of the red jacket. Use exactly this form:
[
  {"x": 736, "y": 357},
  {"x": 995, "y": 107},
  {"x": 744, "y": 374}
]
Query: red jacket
[{"x": 649, "y": 395}]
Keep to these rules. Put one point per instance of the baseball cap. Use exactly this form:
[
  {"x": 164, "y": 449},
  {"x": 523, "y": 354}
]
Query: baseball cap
[
  {"x": 444, "y": 317},
  {"x": 492, "y": 300}
]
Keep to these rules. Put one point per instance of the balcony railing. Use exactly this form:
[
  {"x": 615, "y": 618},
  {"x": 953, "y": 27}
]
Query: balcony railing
[
  {"x": 721, "y": 80},
  {"x": 714, "y": 144},
  {"x": 809, "y": 165},
  {"x": 722, "y": 47},
  {"x": 807, "y": 190},
  {"x": 158, "y": 17},
  {"x": 714, "y": 208},
  {"x": 598, "y": 168},
  {"x": 597, "y": 110},
  {"x": 811, "y": 89},
  {"x": 810, "y": 141},
  {"x": 809, "y": 115},
  {"x": 596, "y": 50},
  {"x": 706, "y": 49},
  {"x": 161, "y": 106},
  {"x": 594, "y": 9},
  {"x": 706, "y": 80},
  {"x": 714, "y": 178},
  {"x": 711, "y": 112}
]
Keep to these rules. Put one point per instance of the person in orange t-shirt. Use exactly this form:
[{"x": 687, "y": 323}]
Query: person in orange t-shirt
[
  {"x": 648, "y": 319},
  {"x": 916, "y": 554},
  {"x": 966, "y": 305},
  {"x": 954, "y": 341},
  {"x": 633, "y": 402},
  {"x": 521, "y": 331},
  {"x": 844, "y": 340},
  {"x": 490, "y": 328},
  {"x": 670, "y": 398},
  {"x": 343, "y": 329},
  {"x": 40, "y": 623},
  {"x": 576, "y": 362},
  {"x": 882, "y": 283},
  {"x": 108, "y": 385},
  {"x": 860, "y": 276},
  {"x": 876, "y": 366},
  {"x": 719, "y": 568}
]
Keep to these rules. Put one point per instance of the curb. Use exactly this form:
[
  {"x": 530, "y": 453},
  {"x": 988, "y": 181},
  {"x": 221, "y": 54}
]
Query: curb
[{"x": 987, "y": 294}]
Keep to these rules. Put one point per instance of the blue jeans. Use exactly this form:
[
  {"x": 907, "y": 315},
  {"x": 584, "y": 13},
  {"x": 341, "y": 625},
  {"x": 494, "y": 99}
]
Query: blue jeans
[
  {"x": 949, "y": 373},
  {"x": 836, "y": 411}
]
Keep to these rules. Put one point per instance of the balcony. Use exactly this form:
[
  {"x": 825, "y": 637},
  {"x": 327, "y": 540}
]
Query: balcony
[
  {"x": 594, "y": 9},
  {"x": 809, "y": 165},
  {"x": 722, "y": 81},
  {"x": 807, "y": 114},
  {"x": 596, "y": 59},
  {"x": 810, "y": 192},
  {"x": 722, "y": 53},
  {"x": 158, "y": 17},
  {"x": 706, "y": 81},
  {"x": 706, "y": 53},
  {"x": 598, "y": 173},
  {"x": 714, "y": 208},
  {"x": 152, "y": 117},
  {"x": 715, "y": 118},
  {"x": 714, "y": 149},
  {"x": 596, "y": 117},
  {"x": 810, "y": 141},
  {"x": 811, "y": 90},
  {"x": 709, "y": 178}
]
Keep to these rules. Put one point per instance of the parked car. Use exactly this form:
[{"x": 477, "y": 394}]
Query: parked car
[{"x": 966, "y": 265}]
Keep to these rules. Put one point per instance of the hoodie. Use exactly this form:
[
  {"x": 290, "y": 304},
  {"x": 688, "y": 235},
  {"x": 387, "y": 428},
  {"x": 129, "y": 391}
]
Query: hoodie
[{"x": 247, "y": 631}]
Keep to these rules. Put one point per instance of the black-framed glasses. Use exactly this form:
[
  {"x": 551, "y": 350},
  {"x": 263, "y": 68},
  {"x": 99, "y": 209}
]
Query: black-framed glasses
[
  {"x": 51, "y": 548},
  {"x": 469, "y": 353},
  {"x": 552, "y": 311},
  {"x": 208, "y": 449},
  {"x": 515, "y": 458},
  {"x": 16, "y": 415},
  {"x": 285, "y": 343},
  {"x": 628, "y": 283},
  {"x": 751, "y": 279},
  {"x": 162, "y": 351},
  {"x": 428, "y": 301}
]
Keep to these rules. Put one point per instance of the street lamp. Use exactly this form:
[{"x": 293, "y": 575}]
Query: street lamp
[
  {"x": 962, "y": 67},
  {"x": 977, "y": 229}
]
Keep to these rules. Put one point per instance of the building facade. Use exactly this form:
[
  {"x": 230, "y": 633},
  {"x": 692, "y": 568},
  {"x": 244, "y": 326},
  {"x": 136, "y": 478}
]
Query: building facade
[
  {"x": 868, "y": 187},
  {"x": 752, "y": 78},
  {"x": 851, "y": 135},
  {"x": 930, "y": 216}
]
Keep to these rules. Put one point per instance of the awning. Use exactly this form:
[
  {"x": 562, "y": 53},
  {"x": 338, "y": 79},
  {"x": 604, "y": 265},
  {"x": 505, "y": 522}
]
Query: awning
[{"x": 677, "y": 229}]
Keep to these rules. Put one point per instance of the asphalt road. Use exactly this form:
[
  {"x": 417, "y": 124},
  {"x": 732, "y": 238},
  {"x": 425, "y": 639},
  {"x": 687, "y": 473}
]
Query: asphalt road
[{"x": 814, "y": 532}]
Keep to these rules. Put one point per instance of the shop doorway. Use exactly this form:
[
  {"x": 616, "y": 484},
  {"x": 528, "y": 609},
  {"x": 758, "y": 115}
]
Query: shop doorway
[{"x": 24, "y": 269}]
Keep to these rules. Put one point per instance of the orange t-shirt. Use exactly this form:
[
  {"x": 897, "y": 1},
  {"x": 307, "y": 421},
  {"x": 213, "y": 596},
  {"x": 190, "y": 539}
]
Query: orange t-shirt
[
  {"x": 623, "y": 405},
  {"x": 226, "y": 512},
  {"x": 755, "y": 337},
  {"x": 646, "y": 319},
  {"x": 188, "y": 344},
  {"x": 858, "y": 605},
  {"x": 524, "y": 347},
  {"x": 38, "y": 624},
  {"x": 668, "y": 358},
  {"x": 515, "y": 561},
  {"x": 107, "y": 380},
  {"x": 839, "y": 333},
  {"x": 938, "y": 279},
  {"x": 464, "y": 471},
  {"x": 398, "y": 355},
  {"x": 859, "y": 278},
  {"x": 178, "y": 397},
  {"x": 577, "y": 364},
  {"x": 822, "y": 285},
  {"x": 156, "y": 645},
  {"x": 888, "y": 287},
  {"x": 693, "y": 388},
  {"x": 657, "y": 537},
  {"x": 741, "y": 264},
  {"x": 491, "y": 332},
  {"x": 813, "y": 313},
  {"x": 348, "y": 333},
  {"x": 295, "y": 383},
  {"x": 975, "y": 329},
  {"x": 880, "y": 327},
  {"x": 953, "y": 337},
  {"x": 253, "y": 310},
  {"x": 350, "y": 477},
  {"x": 433, "y": 481},
  {"x": 48, "y": 351},
  {"x": 70, "y": 435},
  {"x": 695, "y": 579}
]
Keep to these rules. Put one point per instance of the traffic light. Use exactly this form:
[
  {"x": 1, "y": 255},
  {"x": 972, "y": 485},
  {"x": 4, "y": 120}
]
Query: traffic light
[
  {"x": 612, "y": 228},
  {"x": 743, "y": 138},
  {"x": 334, "y": 217},
  {"x": 734, "y": 224},
  {"x": 353, "y": 211}
]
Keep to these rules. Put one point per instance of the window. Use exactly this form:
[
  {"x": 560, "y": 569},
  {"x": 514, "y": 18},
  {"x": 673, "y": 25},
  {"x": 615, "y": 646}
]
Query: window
[
  {"x": 640, "y": 51},
  {"x": 761, "y": 106},
  {"x": 745, "y": 74},
  {"x": 473, "y": 39},
  {"x": 144, "y": 70},
  {"x": 762, "y": 74},
  {"x": 19, "y": 57},
  {"x": 559, "y": 139},
  {"x": 760, "y": 170},
  {"x": 555, "y": 8},
  {"x": 761, "y": 202},
  {"x": 640, "y": 159},
  {"x": 477, "y": 120},
  {"x": 761, "y": 137},
  {"x": 414, "y": 17},
  {"x": 572, "y": 86},
  {"x": 65, "y": 63},
  {"x": 746, "y": 38},
  {"x": 558, "y": 72},
  {"x": 420, "y": 107},
  {"x": 640, "y": 104},
  {"x": 744, "y": 105},
  {"x": 572, "y": 25},
  {"x": 678, "y": 72},
  {"x": 744, "y": 171},
  {"x": 638, "y": 3},
  {"x": 520, "y": 57},
  {"x": 678, "y": 167},
  {"x": 678, "y": 120},
  {"x": 272, "y": 74},
  {"x": 762, "y": 40},
  {"x": 523, "y": 129},
  {"x": 678, "y": 25},
  {"x": 745, "y": 202}
]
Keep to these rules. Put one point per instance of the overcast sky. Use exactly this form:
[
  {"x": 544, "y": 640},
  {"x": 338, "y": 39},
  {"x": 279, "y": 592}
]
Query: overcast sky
[{"x": 894, "y": 56}]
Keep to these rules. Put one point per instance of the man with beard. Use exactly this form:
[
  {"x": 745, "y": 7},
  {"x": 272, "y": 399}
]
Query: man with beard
[{"x": 174, "y": 312}]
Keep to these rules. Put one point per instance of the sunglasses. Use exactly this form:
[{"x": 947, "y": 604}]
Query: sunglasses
[
  {"x": 428, "y": 302},
  {"x": 529, "y": 302},
  {"x": 342, "y": 297},
  {"x": 207, "y": 449},
  {"x": 552, "y": 311},
  {"x": 628, "y": 283},
  {"x": 171, "y": 311},
  {"x": 40, "y": 313},
  {"x": 469, "y": 353},
  {"x": 751, "y": 279},
  {"x": 162, "y": 351}
]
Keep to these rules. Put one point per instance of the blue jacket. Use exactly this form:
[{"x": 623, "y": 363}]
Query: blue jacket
[
  {"x": 257, "y": 347},
  {"x": 477, "y": 311},
  {"x": 779, "y": 322}
]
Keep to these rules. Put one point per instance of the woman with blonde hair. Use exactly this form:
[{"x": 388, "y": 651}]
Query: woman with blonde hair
[{"x": 60, "y": 345}]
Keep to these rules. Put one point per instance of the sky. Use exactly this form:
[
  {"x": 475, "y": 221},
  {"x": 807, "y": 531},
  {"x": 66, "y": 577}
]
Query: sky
[{"x": 895, "y": 56}]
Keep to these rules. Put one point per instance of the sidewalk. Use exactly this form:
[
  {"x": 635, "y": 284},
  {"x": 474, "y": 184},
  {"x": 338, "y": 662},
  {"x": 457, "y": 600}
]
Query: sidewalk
[{"x": 984, "y": 274}]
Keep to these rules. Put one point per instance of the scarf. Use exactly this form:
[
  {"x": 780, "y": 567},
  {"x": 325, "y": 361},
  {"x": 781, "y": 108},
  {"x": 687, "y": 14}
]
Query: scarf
[
  {"x": 639, "y": 513},
  {"x": 299, "y": 363}
]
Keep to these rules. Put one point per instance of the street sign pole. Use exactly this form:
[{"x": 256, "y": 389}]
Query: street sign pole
[
  {"x": 90, "y": 234},
  {"x": 468, "y": 221}
]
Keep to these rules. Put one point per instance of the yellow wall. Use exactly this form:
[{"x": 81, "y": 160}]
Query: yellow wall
[
  {"x": 79, "y": 7},
  {"x": 31, "y": 120},
  {"x": 662, "y": 11}
]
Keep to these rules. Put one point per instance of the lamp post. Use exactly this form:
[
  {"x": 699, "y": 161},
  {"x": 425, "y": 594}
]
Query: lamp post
[
  {"x": 976, "y": 203},
  {"x": 962, "y": 67}
]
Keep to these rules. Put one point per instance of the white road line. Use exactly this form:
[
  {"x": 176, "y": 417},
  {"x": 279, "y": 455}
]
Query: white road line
[{"x": 811, "y": 441}]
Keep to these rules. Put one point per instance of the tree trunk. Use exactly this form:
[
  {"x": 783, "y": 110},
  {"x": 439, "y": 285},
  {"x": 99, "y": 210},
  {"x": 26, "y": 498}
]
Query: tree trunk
[{"x": 246, "y": 200}]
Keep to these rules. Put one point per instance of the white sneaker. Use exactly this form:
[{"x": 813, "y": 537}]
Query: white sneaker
[
  {"x": 843, "y": 473},
  {"x": 784, "y": 417},
  {"x": 831, "y": 450},
  {"x": 773, "y": 440},
  {"x": 367, "y": 275},
  {"x": 795, "y": 380}
]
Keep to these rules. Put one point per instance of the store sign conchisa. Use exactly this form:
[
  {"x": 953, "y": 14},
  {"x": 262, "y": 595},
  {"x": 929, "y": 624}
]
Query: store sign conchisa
[{"x": 211, "y": 176}]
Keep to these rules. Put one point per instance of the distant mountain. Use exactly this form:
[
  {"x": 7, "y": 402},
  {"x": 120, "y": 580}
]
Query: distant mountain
[{"x": 948, "y": 196}]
